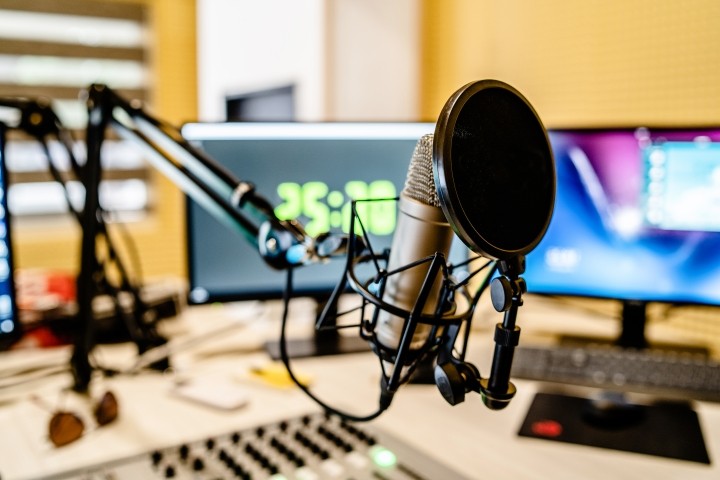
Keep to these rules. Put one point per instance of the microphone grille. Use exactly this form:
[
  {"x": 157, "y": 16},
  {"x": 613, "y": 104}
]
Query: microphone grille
[{"x": 420, "y": 182}]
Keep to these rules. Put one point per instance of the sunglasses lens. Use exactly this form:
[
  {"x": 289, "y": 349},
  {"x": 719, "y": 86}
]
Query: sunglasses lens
[
  {"x": 65, "y": 427},
  {"x": 107, "y": 409}
]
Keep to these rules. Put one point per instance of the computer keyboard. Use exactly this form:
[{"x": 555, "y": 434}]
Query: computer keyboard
[{"x": 669, "y": 373}]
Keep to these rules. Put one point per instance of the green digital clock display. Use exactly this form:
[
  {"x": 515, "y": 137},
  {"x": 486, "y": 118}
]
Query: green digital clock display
[{"x": 330, "y": 209}]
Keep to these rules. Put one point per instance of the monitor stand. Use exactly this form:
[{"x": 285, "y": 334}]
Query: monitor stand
[
  {"x": 609, "y": 419},
  {"x": 323, "y": 342},
  {"x": 633, "y": 321}
]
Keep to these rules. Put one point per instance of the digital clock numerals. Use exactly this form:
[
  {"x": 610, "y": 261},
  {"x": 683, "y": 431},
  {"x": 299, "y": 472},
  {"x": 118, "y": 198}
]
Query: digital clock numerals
[
  {"x": 377, "y": 217},
  {"x": 328, "y": 209}
]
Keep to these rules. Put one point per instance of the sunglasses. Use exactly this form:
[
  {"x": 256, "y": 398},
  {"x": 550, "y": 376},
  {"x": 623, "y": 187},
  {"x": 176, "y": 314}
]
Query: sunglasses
[{"x": 66, "y": 427}]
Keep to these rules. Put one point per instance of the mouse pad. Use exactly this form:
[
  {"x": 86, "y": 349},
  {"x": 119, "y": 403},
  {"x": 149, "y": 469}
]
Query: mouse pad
[{"x": 665, "y": 430}]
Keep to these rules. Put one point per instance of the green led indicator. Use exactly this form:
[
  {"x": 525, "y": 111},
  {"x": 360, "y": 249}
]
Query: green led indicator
[{"x": 382, "y": 457}]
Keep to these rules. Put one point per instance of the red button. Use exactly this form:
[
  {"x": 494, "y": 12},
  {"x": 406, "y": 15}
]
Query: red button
[{"x": 547, "y": 428}]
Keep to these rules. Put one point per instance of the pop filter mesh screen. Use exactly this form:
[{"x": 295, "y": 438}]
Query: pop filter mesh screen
[{"x": 502, "y": 170}]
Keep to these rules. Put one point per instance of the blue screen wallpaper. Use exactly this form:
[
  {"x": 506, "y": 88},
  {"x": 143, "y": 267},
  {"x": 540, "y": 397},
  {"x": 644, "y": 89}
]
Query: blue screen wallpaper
[{"x": 637, "y": 217}]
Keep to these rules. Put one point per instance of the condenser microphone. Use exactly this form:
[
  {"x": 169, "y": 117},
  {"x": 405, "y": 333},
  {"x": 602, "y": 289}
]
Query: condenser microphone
[{"x": 422, "y": 230}]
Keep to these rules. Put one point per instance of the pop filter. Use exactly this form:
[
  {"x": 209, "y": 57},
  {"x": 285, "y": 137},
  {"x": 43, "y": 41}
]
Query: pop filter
[{"x": 494, "y": 169}]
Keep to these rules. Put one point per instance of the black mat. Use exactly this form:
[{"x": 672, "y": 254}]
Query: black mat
[{"x": 665, "y": 430}]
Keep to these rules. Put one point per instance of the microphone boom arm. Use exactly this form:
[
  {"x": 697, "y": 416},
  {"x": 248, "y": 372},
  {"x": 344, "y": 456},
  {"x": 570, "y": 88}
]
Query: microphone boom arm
[
  {"x": 232, "y": 201},
  {"x": 281, "y": 243}
]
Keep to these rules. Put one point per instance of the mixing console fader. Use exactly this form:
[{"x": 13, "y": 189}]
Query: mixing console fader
[{"x": 310, "y": 447}]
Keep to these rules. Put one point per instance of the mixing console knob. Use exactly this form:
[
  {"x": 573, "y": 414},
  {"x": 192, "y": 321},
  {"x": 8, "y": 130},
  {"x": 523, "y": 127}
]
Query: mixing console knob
[
  {"x": 156, "y": 457},
  {"x": 312, "y": 447},
  {"x": 184, "y": 450}
]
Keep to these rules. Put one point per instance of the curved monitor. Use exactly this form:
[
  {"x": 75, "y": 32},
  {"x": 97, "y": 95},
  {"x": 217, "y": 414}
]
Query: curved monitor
[
  {"x": 309, "y": 171},
  {"x": 637, "y": 216}
]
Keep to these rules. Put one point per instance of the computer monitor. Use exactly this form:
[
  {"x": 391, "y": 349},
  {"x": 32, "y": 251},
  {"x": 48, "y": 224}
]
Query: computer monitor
[
  {"x": 637, "y": 219},
  {"x": 9, "y": 321},
  {"x": 311, "y": 170}
]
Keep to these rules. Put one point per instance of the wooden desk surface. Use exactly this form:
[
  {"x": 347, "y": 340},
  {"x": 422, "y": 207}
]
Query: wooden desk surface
[{"x": 476, "y": 441}]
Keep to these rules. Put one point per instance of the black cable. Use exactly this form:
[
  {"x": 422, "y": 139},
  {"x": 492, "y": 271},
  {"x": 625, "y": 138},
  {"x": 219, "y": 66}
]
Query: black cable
[
  {"x": 66, "y": 140},
  {"x": 57, "y": 176},
  {"x": 112, "y": 253},
  {"x": 130, "y": 245},
  {"x": 287, "y": 295}
]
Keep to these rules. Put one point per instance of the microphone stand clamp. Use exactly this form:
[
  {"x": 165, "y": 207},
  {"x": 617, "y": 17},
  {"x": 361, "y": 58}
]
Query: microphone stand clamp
[
  {"x": 506, "y": 294},
  {"x": 455, "y": 377}
]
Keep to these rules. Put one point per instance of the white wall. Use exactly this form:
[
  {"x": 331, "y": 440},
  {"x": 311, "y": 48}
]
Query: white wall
[
  {"x": 374, "y": 60},
  {"x": 350, "y": 59},
  {"x": 246, "y": 45}
]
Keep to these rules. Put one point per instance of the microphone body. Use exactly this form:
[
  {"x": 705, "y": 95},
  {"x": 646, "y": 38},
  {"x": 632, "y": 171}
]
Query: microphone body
[{"x": 421, "y": 231}]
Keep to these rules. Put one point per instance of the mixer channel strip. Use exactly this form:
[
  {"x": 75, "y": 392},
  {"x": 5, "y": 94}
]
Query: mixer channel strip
[{"x": 310, "y": 447}]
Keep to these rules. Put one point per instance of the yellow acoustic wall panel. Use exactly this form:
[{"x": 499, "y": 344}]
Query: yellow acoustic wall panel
[
  {"x": 580, "y": 63},
  {"x": 160, "y": 239},
  {"x": 161, "y": 243}
]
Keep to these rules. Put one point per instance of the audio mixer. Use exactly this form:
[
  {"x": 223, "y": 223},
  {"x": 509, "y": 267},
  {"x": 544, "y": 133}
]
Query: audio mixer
[{"x": 308, "y": 447}]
